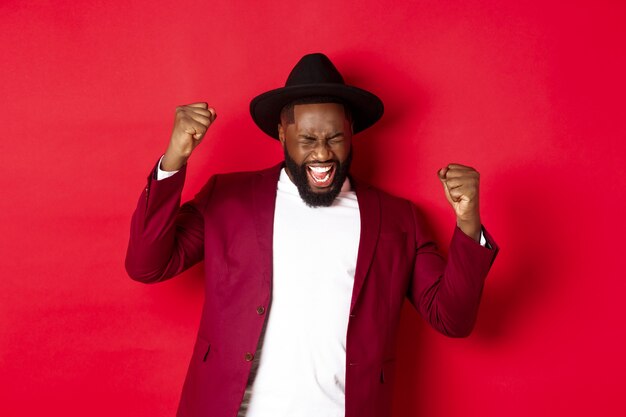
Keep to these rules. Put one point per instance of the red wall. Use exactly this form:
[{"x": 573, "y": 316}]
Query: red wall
[{"x": 531, "y": 94}]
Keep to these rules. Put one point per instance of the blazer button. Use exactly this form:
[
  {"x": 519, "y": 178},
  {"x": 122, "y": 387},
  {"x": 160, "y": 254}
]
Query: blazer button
[
  {"x": 260, "y": 310},
  {"x": 248, "y": 356}
]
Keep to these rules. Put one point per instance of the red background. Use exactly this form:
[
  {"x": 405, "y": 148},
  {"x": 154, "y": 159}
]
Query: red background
[{"x": 530, "y": 94}]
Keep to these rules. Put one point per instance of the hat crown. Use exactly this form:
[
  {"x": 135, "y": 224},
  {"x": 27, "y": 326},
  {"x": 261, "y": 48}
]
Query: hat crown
[
  {"x": 315, "y": 75},
  {"x": 314, "y": 69}
]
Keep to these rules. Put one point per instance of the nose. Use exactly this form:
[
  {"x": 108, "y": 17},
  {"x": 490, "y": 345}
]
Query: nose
[{"x": 322, "y": 151}]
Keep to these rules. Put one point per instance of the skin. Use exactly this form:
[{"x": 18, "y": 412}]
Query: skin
[
  {"x": 320, "y": 134},
  {"x": 460, "y": 185},
  {"x": 190, "y": 125}
]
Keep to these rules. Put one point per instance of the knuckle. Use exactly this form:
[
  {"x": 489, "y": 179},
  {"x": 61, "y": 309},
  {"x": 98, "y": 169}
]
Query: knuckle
[{"x": 180, "y": 112}]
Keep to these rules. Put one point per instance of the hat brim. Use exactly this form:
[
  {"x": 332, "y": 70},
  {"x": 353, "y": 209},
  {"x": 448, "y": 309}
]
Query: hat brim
[{"x": 365, "y": 107}]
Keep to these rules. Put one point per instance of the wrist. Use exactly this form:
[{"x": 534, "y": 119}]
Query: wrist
[
  {"x": 471, "y": 228},
  {"x": 172, "y": 161}
]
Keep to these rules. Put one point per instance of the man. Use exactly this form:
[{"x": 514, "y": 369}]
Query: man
[{"x": 306, "y": 268}]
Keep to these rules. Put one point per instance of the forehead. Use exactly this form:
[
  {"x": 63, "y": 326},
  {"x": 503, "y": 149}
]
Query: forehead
[{"x": 319, "y": 116}]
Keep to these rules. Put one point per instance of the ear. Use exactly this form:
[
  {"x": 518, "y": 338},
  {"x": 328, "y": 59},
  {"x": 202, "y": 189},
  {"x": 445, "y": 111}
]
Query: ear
[{"x": 281, "y": 134}]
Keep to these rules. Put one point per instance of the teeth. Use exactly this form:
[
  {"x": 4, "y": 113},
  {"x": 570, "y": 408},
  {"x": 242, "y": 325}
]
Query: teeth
[
  {"x": 322, "y": 180},
  {"x": 320, "y": 170}
]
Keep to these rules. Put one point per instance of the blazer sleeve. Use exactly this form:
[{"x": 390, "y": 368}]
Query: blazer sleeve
[
  {"x": 447, "y": 293},
  {"x": 166, "y": 238}
]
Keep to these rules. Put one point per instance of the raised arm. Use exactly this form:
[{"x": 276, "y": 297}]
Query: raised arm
[
  {"x": 165, "y": 238},
  {"x": 448, "y": 293}
]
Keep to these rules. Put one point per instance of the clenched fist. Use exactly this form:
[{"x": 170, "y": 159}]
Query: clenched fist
[
  {"x": 460, "y": 184},
  {"x": 190, "y": 126}
]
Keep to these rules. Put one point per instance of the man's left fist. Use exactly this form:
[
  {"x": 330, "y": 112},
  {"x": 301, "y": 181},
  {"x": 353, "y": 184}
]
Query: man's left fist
[{"x": 460, "y": 184}]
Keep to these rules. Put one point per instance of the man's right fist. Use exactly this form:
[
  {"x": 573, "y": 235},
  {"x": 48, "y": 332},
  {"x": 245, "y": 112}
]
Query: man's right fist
[{"x": 190, "y": 126}]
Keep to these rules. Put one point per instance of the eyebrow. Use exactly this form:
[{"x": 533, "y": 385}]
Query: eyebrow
[{"x": 308, "y": 135}]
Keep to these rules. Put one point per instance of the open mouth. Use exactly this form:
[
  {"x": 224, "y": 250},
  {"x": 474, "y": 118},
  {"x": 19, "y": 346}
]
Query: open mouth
[{"x": 321, "y": 176}]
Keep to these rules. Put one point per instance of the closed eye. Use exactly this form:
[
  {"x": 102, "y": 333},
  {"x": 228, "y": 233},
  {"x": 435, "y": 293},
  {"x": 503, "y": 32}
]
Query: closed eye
[
  {"x": 307, "y": 139},
  {"x": 334, "y": 139},
  {"x": 337, "y": 139}
]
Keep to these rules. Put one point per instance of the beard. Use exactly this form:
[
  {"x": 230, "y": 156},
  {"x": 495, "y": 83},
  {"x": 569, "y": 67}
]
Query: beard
[{"x": 300, "y": 178}]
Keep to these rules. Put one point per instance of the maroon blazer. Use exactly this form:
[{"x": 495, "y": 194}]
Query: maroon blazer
[{"x": 229, "y": 225}]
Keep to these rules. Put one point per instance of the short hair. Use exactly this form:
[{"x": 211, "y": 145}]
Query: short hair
[{"x": 286, "y": 114}]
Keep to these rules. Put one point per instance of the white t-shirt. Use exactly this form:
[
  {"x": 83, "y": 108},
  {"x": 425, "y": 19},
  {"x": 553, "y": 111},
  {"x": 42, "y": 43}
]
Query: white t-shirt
[{"x": 302, "y": 363}]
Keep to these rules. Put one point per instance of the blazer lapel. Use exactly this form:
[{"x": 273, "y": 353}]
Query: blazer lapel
[
  {"x": 263, "y": 205},
  {"x": 369, "y": 209}
]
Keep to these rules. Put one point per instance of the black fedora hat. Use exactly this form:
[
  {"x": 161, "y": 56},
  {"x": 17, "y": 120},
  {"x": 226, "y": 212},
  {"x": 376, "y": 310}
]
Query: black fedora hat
[{"x": 315, "y": 75}]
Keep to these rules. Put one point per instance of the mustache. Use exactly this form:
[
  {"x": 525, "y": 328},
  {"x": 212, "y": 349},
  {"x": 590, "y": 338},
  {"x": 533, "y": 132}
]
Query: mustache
[{"x": 335, "y": 161}]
